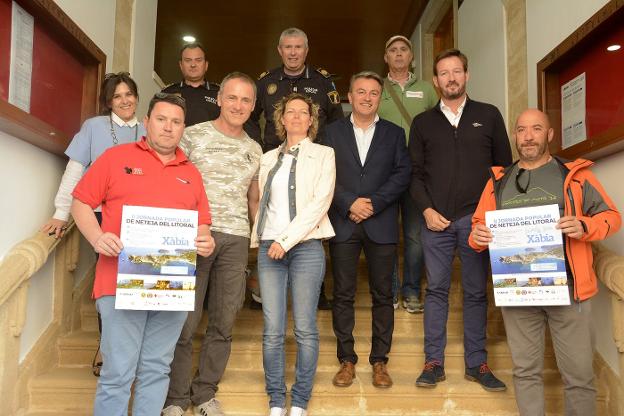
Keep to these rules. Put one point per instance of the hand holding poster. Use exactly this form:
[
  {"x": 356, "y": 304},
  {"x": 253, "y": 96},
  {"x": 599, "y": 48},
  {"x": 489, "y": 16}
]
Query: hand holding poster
[
  {"x": 527, "y": 257},
  {"x": 157, "y": 263}
]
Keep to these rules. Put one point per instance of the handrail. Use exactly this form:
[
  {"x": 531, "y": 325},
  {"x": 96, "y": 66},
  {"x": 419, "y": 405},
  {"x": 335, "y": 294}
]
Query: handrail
[
  {"x": 609, "y": 267},
  {"x": 24, "y": 260}
]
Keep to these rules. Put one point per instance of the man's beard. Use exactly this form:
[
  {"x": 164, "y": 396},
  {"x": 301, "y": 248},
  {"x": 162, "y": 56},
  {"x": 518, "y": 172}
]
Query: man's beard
[
  {"x": 453, "y": 95},
  {"x": 539, "y": 152}
]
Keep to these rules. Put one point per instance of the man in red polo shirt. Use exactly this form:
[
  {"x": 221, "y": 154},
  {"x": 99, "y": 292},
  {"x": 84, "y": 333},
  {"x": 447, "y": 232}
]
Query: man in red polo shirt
[{"x": 152, "y": 172}]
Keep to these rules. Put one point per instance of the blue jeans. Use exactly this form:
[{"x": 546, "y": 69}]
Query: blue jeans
[
  {"x": 137, "y": 346},
  {"x": 411, "y": 220},
  {"x": 302, "y": 268}
]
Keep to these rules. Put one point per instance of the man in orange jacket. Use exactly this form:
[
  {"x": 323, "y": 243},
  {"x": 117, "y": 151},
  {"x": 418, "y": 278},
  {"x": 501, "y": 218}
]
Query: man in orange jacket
[{"x": 587, "y": 214}]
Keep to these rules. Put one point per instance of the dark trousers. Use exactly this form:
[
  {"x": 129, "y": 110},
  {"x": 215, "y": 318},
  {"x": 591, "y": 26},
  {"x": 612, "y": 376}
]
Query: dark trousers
[
  {"x": 380, "y": 258},
  {"x": 439, "y": 251},
  {"x": 221, "y": 278}
]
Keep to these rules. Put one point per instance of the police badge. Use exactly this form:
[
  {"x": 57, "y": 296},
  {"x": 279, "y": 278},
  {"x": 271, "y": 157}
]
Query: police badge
[
  {"x": 334, "y": 97},
  {"x": 271, "y": 88}
]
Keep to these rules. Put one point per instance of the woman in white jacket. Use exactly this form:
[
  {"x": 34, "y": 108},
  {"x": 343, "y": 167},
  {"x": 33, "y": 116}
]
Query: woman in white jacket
[{"x": 296, "y": 189}]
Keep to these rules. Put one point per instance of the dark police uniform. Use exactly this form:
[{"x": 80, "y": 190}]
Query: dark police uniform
[
  {"x": 275, "y": 84},
  {"x": 201, "y": 102}
]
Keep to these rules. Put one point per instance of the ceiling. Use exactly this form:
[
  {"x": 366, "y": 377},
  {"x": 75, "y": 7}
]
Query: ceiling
[{"x": 345, "y": 36}]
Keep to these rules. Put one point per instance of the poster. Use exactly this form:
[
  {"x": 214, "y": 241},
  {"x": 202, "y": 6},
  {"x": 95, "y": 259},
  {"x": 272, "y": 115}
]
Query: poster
[
  {"x": 157, "y": 264},
  {"x": 573, "y": 108},
  {"x": 20, "y": 72},
  {"x": 527, "y": 257}
]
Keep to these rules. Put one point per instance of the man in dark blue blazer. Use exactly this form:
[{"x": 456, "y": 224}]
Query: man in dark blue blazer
[{"x": 373, "y": 169}]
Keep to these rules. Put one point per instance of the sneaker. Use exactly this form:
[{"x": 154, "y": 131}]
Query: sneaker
[
  {"x": 210, "y": 408},
  {"x": 172, "y": 411},
  {"x": 412, "y": 304},
  {"x": 324, "y": 304},
  {"x": 395, "y": 302},
  {"x": 431, "y": 375},
  {"x": 297, "y": 411},
  {"x": 277, "y": 411},
  {"x": 484, "y": 376}
]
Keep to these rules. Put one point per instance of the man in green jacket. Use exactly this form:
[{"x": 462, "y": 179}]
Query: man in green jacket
[{"x": 404, "y": 96}]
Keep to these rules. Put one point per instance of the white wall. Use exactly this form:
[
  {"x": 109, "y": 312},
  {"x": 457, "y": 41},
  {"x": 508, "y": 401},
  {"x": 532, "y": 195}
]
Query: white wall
[
  {"x": 481, "y": 38},
  {"x": 97, "y": 19},
  {"x": 142, "y": 48}
]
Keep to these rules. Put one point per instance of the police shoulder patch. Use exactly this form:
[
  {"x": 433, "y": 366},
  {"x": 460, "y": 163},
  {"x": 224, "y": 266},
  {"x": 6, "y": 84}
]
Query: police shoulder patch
[
  {"x": 323, "y": 72},
  {"x": 264, "y": 74}
]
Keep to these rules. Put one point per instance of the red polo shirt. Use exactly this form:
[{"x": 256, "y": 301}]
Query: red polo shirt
[{"x": 132, "y": 174}]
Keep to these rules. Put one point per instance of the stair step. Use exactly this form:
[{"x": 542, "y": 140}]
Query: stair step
[
  {"x": 77, "y": 350},
  {"x": 71, "y": 391},
  {"x": 404, "y": 322}
]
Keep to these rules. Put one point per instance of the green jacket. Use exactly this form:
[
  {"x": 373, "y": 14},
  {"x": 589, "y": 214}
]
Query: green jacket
[{"x": 417, "y": 96}]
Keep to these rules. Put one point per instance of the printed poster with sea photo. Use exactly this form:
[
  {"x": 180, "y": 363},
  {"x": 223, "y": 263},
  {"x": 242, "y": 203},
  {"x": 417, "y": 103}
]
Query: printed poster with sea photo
[
  {"x": 157, "y": 263},
  {"x": 527, "y": 257}
]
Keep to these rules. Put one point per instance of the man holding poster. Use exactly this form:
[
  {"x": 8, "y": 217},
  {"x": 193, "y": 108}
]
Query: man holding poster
[
  {"x": 138, "y": 345},
  {"x": 586, "y": 214}
]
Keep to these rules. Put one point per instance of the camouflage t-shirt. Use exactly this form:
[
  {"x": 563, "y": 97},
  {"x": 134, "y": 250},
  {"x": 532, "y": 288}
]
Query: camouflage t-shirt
[{"x": 227, "y": 165}]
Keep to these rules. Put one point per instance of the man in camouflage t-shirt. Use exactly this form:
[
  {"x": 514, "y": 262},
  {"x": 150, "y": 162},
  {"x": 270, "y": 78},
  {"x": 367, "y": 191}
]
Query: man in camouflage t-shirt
[{"x": 228, "y": 161}]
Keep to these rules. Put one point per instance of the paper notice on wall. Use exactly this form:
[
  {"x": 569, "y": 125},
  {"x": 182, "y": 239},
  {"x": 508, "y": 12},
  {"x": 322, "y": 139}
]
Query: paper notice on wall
[
  {"x": 573, "y": 109},
  {"x": 20, "y": 72}
]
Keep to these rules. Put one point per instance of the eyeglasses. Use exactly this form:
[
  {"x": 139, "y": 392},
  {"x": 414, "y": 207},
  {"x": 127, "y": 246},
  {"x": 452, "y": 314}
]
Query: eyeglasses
[{"x": 520, "y": 188}]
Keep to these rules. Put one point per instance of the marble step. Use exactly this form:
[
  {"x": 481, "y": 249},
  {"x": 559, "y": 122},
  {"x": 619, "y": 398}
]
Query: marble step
[
  {"x": 78, "y": 348},
  {"x": 70, "y": 391}
]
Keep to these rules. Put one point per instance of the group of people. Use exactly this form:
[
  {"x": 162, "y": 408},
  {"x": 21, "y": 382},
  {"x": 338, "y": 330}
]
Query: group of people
[{"x": 311, "y": 174}]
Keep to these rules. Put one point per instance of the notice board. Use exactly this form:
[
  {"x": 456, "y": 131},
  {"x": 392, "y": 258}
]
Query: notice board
[
  {"x": 67, "y": 69},
  {"x": 586, "y": 53}
]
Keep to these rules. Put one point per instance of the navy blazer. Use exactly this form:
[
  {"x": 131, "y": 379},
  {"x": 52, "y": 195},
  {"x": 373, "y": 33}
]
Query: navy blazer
[{"x": 383, "y": 178}]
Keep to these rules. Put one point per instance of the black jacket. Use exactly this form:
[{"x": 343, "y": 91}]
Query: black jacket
[
  {"x": 450, "y": 165},
  {"x": 201, "y": 102},
  {"x": 275, "y": 84}
]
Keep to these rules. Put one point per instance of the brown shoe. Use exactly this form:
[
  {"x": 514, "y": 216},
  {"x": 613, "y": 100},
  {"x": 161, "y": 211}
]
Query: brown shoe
[
  {"x": 344, "y": 377},
  {"x": 381, "y": 378}
]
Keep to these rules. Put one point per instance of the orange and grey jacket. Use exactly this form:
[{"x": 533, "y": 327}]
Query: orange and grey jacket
[{"x": 585, "y": 199}]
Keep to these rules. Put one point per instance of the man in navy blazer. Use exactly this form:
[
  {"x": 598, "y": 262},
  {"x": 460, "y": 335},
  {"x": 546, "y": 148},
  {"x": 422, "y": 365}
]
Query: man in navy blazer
[{"x": 373, "y": 169}]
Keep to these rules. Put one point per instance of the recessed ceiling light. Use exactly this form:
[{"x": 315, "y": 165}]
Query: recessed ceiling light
[
  {"x": 188, "y": 38},
  {"x": 612, "y": 48}
]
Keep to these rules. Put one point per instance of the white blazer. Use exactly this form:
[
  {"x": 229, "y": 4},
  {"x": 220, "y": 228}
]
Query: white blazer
[{"x": 315, "y": 182}]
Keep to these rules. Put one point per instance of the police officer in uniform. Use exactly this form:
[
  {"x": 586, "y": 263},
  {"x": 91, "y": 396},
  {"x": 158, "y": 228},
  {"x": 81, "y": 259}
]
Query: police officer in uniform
[
  {"x": 293, "y": 76},
  {"x": 200, "y": 95}
]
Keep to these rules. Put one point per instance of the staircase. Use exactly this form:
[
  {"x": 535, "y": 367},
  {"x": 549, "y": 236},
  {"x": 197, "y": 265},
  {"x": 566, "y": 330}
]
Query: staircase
[{"x": 69, "y": 388}]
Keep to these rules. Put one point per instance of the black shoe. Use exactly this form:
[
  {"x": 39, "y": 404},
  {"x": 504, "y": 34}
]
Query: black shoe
[
  {"x": 256, "y": 306},
  {"x": 431, "y": 375},
  {"x": 484, "y": 376},
  {"x": 324, "y": 304}
]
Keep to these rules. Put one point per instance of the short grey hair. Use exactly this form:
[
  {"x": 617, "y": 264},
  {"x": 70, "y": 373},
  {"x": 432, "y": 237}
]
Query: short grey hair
[
  {"x": 243, "y": 77},
  {"x": 294, "y": 32},
  {"x": 366, "y": 75}
]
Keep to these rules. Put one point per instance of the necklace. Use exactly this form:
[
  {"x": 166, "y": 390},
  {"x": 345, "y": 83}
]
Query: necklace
[{"x": 114, "y": 136}]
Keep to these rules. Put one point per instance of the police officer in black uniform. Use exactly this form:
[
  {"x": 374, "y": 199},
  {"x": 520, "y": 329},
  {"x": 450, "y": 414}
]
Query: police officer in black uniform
[
  {"x": 293, "y": 76},
  {"x": 200, "y": 95}
]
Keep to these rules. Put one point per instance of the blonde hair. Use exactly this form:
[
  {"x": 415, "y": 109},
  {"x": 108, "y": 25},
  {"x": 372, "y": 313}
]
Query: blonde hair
[{"x": 280, "y": 109}]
